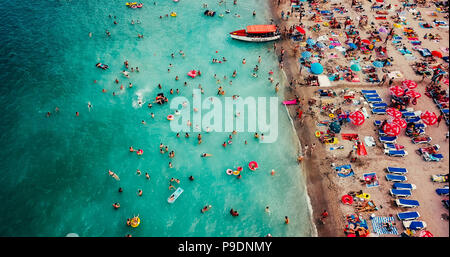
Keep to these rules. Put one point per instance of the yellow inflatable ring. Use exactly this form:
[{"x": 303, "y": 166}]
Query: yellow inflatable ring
[
  {"x": 317, "y": 133},
  {"x": 236, "y": 172},
  {"x": 331, "y": 115},
  {"x": 135, "y": 222},
  {"x": 170, "y": 117},
  {"x": 173, "y": 14}
]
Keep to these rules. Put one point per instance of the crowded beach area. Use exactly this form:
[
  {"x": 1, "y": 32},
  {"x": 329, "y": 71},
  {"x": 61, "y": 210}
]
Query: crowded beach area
[{"x": 371, "y": 84}]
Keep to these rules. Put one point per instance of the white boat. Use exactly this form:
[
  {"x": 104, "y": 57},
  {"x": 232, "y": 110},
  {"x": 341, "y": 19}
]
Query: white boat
[{"x": 257, "y": 33}]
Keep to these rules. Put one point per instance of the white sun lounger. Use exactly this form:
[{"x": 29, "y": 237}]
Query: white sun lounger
[
  {"x": 403, "y": 186},
  {"x": 407, "y": 203},
  {"x": 400, "y": 192},
  {"x": 398, "y": 171},
  {"x": 409, "y": 215},
  {"x": 414, "y": 224},
  {"x": 396, "y": 178}
]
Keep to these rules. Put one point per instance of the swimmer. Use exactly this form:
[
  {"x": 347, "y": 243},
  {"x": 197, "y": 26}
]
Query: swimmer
[
  {"x": 259, "y": 59},
  {"x": 272, "y": 172},
  {"x": 128, "y": 222},
  {"x": 121, "y": 86},
  {"x": 137, "y": 69},
  {"x": 166, "y": 148},
  {"x": 244, "y": 61},
  {"x": 170, "y": 165},
  {"x": 147, "y": 176},
  {"x": 139, "y": 192},
  {"x": 178, "y": 91},
  {"x": 239, "y": 176},
  {"x": 186, "y": 135},
  {"x": 205, "y": 155},
  {"x": 178, "y": 134},
  {"x": 77, "y": 113},
  {"x": 114, "y": 175},
  {"x": 189, "y": 123},
  {"x": 191, "y": 178},
  {"x": 90, "y": 34},
  {"x": 286, "y": 219},
  {"x": 224, "y": 144},
  {"x": 116, "y": 205},
  {"x": 245, "y": 142},
  {"x": 143, "y": 122},
  {"x": 152, "y": 114},
  {"x": 176, "y": 78},
  {"x": 120, "y": 190},
  {"x": 234, "y": 73},
  {"x": 125, "y": 73},
  {"x": 267, "y": 209},
  {"x": 138, "y": 172},
  {"x": 131, "y": 149},
  {"x": 256, "y": 135},
  {"x": 130, "y": 85},
  {"x": 206, "y": 208},
  {"x": 48, "y": 114}
]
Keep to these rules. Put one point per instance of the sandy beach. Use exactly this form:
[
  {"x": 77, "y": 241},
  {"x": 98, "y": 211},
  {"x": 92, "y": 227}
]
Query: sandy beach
[{"x": 325, "y": 188}]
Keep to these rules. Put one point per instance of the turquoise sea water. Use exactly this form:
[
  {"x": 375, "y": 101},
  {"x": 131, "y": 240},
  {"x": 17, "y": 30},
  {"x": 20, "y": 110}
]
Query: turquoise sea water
[{"x": 55, "y": 170}]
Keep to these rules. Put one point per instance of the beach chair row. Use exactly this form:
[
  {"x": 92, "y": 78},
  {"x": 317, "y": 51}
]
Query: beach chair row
[{"x": 375, "y": 102}]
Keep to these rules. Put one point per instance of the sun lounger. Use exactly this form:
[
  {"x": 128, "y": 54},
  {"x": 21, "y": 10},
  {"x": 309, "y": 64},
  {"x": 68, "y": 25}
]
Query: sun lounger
[
  {"x": 371, "y": 95},
  {"x": 387, "y": 139},
  {"x": 396, "y": 178},
  {"x": 408, "y": 114},
  {"x": 378, "y": 105},
  {"x": 368, "y": 91},
  {"x": 395, "y": 170},
  {"x": 378, "y": 111},
  {"x": 390, "y": 146},
  {"x": 421, "y": 140},
  {"x": 403, "y": 186},
  {"x": 409, "y": 215},
  {"x": 441, "y": 178},
  {"x": 435, "y": 157},
  {"x": 413, "y": 119},
  {"x": 374, "y": 100},
  {"x": 407, "y": 203},
  {"x": 442, "y": 191},
  {"x": 414, "y": 224},
  {"x": 395, "y": 153},
  {"x": 400, "y": 192}
]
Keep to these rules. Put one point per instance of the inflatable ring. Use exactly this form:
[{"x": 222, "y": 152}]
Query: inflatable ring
[
  {"x": 331, "y": 115},
  {"x": 139, "y": 152},
  {"x": 239, "y": 168},
  {"x": 347, "y": 199},
  {"x": 317, "y": 133},
  {"x": 229, "y": 171},
  {"x": 192, "y": 74},
  {"x": 253, "y": 165},
  {"x": 364, "y": 195},
  {"x": 170, "y": 117},
  {"x": 236, "y": 172},
  {"x": 135, "y": 222},
  {"x": 173, "y": 14}
]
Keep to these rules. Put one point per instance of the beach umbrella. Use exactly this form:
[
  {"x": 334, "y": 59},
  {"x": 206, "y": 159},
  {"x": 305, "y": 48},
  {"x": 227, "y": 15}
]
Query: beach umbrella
[
  {"x": 355, "y": 67},
  {"x": 413, "y": 94},
  {"x": 425, "y": 233},
  {"x": 320, "y": 45},
  {"x": 300, "y": 29},
  {"x": 393, "y": 112},
  {"x": 316, "y": 68},
  {"x": 399, "y": 121},
  {"x": 391, "y": 129},
  {"x": 357, "y": 118},
  {"x": 378, "y": 64},
  {"x": 397, "y": 91},
  {"x": 335, "y": 127},
  {"x": 310, "y": 41},
  {"x": 365, "y": 41},
  {"x": 306, "y": 54},
  {"x": 409, "y": 84},
  {"x": 437, "y": 54},
  {"x": 429, "y": 118}
]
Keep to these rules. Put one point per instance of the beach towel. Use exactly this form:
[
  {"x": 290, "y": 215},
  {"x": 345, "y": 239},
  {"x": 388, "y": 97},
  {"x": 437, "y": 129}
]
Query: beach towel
[
  {"x": 368, "y": 177},
  {"x": 370, "y": 141},
  {"x": 422, "y": 25},
  {"x": 344, "y": 170},
  {"x": 377, "y": 225},
  {"x": 349, "y": 137}
]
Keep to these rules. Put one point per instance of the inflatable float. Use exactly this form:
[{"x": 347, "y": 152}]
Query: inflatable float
[
  {"x": 101, "y": 66},
  {"x": 229, "y": 171},
  {"x": 170, "y": 117},
  {"x": 173, "y": 197},
  {"x": 288, "y": 102},
  {"x": 253, "y": 165},
  {"x": 364, "y": 196},
  {"x": 192, "y": 74},
  {"x": 139, "y": 152},
  {"x": 347, "y": 199},
  {"x": 173, "y": 14},
  {"x": 135, "y": 221},
  {"x": 236, "y": 172}
]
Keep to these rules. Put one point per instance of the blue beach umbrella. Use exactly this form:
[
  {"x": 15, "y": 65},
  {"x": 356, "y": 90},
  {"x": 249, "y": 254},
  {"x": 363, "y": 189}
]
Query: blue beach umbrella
[
  {"x": 306, "y": 54},
  {"x": 316, "y": 68},
  {"x": 355, "y": 67},
  {"x": 377, "y": 64},
  {"x": 310, "y": 41}
]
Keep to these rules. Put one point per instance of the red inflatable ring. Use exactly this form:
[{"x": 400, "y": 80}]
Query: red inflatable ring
[{"x": 347, "y": 199}]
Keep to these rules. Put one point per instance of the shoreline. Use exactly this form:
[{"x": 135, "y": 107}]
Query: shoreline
[{"x": 318, "y": 198}]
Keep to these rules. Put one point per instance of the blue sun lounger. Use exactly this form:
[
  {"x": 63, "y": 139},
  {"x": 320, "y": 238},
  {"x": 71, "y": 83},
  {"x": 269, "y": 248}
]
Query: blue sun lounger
[
  {"x": 368, "y": 91},
  {"x": 397, "y": 171},
  {"x": 413, "y": 119},
  {"x": 379, "y": 111},
  {"x": 400, "y": 192},
  {"x": 407, "y": 203},
  {"x": 442, "y": 191},
  {"x": 396, "y": 178},
  {"x": 408, "y": 114},
  {"x": 378, "y": 105},
  {"x": 389, "y": 146},
  {"x": 374, "y": 100},
  {"x": 403, "y": 186},
  {"x": 395, "y": 153},
  {"x": 388, "y": 139},
  {"x": 409, "y": 215},
  {"x": 414, "y": 224}
]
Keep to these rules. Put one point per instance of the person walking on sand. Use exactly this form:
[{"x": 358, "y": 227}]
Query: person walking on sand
[
  {"x": 299, "y": 159},
  {"x": 439, "y": 120},
  {"x": 323, "y": 216},
  {"x": 312, "y": 148},
  {"x": 286, "y": 220}
]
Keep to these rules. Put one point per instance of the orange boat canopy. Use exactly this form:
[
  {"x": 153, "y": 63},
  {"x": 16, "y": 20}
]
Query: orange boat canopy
[{"x": 261, "y": 28}]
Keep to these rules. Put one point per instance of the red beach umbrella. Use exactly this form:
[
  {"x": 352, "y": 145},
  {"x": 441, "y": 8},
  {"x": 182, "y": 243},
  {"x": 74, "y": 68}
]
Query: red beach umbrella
[
  {"x": 425, "y": 233},
  {"x": 399, "y": 121},
  {"x": 413, "y": 94},
  {"x": 365, "y": 41},
  {"x": 393, "y": 112},
  {"x": 429, "y": 118},
  {"x": 437, "y": 54},
  {"x": 397, "y": 91},
  {"x": 357, "y": 118},
  {"x": 391, "y": 129},
  {"x": 300, "y": 29},
  {"x": 409, "y": 84}
]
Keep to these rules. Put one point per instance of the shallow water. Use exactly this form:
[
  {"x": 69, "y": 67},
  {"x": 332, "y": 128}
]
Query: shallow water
[{"x": 55, "y": 178}]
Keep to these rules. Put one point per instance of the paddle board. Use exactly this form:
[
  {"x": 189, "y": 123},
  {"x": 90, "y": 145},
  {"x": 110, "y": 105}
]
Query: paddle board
[{"x": 175, "y": 195}]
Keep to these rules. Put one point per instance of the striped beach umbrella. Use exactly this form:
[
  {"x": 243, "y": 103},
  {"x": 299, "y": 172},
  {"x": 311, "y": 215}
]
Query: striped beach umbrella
[
  {"x": 413, "y": 94},
  {"x": 409, "y": 84},
  {"x": 393, "y": 112},
  {"x": 429, "y": 118},
  {"x": 399, "y": 121},
  {"x": 397, "y": 91},
  {"x": 355, "y": 67}
]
